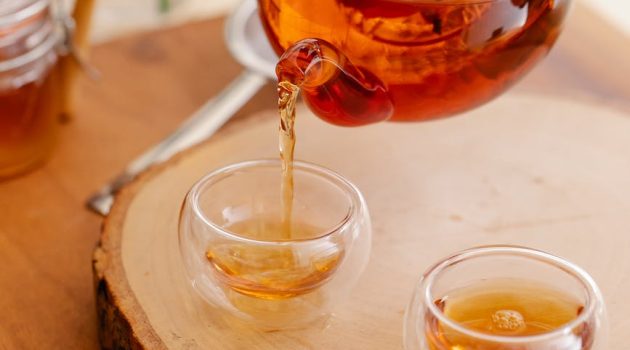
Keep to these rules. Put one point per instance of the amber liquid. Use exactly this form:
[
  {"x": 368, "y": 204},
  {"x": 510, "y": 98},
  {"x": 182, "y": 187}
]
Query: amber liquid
[
  {"x": 287, "y": 97},
  {"x": 28, "y": 123},
  {"x": 513, "y": 308},
  {"x": 435, "y": 58},
  {"x": 273, "y": 271}
]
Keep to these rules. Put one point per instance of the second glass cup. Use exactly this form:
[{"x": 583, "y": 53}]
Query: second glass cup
[
  {"x": 505, "y": 298},
  {"x": 241, "y": 258}
]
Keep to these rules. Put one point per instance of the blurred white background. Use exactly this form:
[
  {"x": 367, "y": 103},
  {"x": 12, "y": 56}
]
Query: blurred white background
[{"x": 118, "y": 17}]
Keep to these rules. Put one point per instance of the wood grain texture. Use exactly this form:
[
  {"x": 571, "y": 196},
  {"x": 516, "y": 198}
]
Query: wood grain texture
[
  {"x": 151, "y": 82},
  {"x": 498, "y": 175}
]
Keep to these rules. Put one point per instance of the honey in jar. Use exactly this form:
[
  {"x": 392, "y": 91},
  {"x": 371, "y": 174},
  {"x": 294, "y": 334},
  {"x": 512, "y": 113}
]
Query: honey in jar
[{"x": 28, "y": 85}]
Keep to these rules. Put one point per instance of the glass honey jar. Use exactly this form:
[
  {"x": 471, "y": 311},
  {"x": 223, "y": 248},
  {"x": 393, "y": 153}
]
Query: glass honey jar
[{"x": 29, "y": 84}]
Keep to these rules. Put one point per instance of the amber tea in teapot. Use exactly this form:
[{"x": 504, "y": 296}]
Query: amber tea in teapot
[{"x": 430, "y": 58}]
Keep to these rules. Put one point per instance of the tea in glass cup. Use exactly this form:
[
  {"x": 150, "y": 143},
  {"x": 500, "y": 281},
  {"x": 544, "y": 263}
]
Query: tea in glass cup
[
  {"x": 505, "y": 298},
  {"x": 244, "y": 257}
]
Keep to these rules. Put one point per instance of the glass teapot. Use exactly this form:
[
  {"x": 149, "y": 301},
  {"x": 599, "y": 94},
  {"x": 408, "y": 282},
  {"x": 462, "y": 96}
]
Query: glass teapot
[{"x": 363, "y": 61}]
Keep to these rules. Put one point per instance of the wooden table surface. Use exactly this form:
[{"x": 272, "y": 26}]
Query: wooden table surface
[{"x": 151, "y": 82}]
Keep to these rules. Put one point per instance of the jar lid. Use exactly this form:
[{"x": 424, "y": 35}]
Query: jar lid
[
  {"x": 27, "y": 32},
  {"x": 14, "y": 11}
]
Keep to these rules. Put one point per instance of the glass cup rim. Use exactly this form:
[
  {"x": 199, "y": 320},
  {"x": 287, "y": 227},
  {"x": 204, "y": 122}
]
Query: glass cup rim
[
  {"x": 354, "y": 206},
  {"x": 593, "y": 295}
]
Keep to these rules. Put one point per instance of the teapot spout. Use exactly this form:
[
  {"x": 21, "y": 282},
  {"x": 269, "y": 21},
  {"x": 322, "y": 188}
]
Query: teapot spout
[{"x": 336, "y": 90}]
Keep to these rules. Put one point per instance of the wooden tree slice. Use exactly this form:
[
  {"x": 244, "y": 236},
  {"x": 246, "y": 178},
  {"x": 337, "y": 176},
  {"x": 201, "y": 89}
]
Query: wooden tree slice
[{"x": 533, "y": 171}]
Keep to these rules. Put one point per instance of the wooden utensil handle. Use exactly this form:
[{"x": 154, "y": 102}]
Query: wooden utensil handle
[{"x": 82, "y": 15}]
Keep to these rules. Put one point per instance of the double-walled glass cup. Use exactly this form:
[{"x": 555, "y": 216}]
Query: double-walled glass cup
[
  {"x": 242, "y": 259},
  {"x": 488, "y": 275}
]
